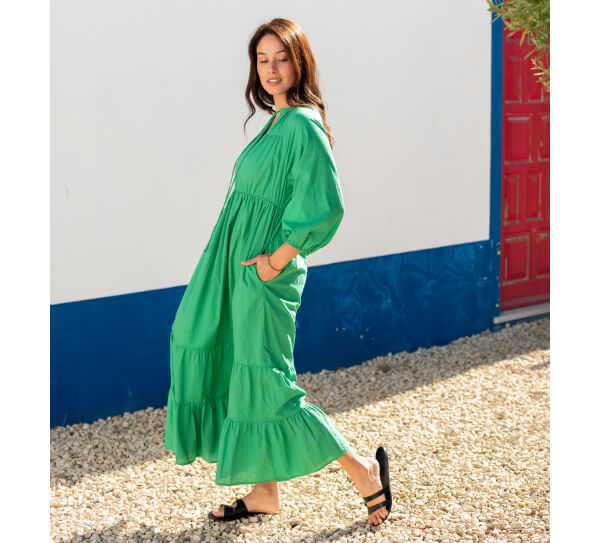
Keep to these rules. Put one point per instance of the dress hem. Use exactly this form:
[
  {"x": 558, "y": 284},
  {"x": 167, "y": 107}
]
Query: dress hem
[
  {"x": 278, "y": 478},
  {"x": 283, "y": 478}
]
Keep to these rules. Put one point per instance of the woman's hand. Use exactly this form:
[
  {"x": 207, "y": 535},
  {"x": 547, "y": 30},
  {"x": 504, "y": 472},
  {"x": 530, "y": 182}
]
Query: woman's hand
[{"x": 263, "y": 269}]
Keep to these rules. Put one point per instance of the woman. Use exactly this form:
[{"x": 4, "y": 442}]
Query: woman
[{"x": 233, "y": 397}]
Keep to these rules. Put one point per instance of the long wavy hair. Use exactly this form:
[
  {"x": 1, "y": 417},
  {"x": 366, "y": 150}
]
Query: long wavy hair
[{"x": 305, "y": 92}]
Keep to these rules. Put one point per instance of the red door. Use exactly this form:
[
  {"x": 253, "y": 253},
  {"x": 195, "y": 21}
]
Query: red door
[{"x": 525, "y": 232}]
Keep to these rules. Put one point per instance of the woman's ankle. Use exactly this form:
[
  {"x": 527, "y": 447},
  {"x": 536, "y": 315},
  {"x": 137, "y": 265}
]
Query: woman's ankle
[
  {"x": 356, "y": 466},
  {"x": 269, "y": 487}
]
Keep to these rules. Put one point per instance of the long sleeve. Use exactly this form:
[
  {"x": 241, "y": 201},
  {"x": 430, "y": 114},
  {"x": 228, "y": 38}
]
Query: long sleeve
[{"x": 315, "y": 210}]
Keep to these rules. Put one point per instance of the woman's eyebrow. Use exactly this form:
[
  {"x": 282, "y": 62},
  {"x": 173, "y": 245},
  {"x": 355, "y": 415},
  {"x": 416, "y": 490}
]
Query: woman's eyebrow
[{"x": 280, "y": 51}]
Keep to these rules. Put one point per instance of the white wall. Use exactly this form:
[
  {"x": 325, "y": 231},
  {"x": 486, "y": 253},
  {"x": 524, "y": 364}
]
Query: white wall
[{"x": 147, "y": 106}]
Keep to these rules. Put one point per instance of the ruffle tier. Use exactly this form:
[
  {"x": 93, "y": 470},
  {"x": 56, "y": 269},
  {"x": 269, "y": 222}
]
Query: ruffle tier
[
  {"x": 194, "y": 417},
  {"x": 276, "y": 448},
  {"x": 192, "y": 429}
]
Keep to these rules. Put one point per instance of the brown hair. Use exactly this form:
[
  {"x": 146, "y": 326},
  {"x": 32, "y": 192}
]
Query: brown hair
[{"x": 306, "y": 91}]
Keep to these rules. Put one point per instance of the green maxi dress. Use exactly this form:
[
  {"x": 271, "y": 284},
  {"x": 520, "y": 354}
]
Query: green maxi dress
[{"x": 233, "y": 397}]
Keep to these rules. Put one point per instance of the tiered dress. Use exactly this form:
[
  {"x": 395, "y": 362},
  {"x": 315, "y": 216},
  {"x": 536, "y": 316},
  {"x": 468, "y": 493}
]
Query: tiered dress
[{"x": 233, "y": 397}]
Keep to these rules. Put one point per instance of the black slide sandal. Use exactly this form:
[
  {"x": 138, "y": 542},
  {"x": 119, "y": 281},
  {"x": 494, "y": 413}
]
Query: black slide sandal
[
  {"x": 384, "y": 475},
  {"x": 231, "y": 513}
]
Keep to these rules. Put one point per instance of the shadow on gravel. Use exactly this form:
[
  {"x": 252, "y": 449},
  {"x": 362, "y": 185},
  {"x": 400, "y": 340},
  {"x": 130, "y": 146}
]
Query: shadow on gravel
[
  {"x": 388, "y": 376},
  {"x": 226, "y": 531}
]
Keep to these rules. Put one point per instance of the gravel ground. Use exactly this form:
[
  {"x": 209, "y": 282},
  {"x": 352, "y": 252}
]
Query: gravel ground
[{"x": 466, "y": 426}]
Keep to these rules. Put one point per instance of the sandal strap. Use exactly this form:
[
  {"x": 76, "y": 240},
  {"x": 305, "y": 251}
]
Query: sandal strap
[
  {"x": 240, "y": 507},
  {"x": 372, "y": 508},
  {"x": 378, "y": 493}
]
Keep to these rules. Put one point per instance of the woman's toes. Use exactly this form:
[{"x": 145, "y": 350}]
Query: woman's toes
[
  {"x": 377, "y": 516},
  {"x": 218, "y": 512}
]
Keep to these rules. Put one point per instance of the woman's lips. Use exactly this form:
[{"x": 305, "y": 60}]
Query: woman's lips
[{"x": 273, "y": 83}]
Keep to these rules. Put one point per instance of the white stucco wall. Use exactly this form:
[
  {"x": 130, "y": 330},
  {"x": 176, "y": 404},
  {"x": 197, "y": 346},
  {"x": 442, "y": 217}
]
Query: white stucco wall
[{"x": 147, "y": 106}]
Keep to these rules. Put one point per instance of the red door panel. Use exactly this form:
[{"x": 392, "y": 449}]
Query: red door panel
[{"x": 525, "y": 232}]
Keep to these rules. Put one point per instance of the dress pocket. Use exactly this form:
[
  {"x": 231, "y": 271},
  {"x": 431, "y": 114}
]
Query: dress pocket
[
  {"x": 282, "y": 276},
  {"x": 278, "y": 276}
]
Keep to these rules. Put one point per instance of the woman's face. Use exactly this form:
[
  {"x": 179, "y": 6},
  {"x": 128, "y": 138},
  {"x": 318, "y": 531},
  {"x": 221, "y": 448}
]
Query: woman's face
[{"x": 274, "y": 66}]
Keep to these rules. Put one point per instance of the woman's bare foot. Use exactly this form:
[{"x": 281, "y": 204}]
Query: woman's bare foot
[
  {"x": 364, "y": 472},
  {"x": 369, "y": 485},
  {"x": 263, "y": 497}
]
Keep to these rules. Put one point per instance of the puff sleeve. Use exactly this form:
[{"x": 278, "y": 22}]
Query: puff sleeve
[{"x": 316, "y": 207}]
